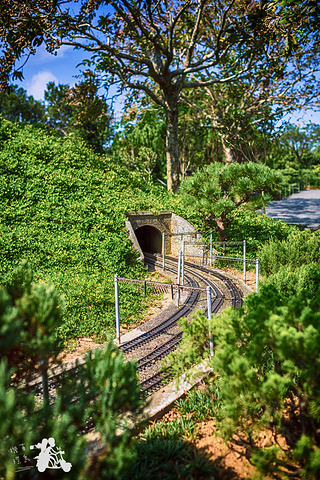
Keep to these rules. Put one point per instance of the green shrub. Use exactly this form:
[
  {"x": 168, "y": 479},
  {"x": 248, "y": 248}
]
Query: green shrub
[
  {"x": 199, "y": 404},
  {"x": 266, "y": 362},
  {"x": 300, "y": 248},
  {"x": 164, "y": 452},
  {"x": 290, "y": 281},
  {"x": 62, "y": 207},
  {"x": 100, "y": 392},
  {"x": 257, "y": 229},
  {"x": 267, "y": 365},
  {"x": 30, "y": 314}
]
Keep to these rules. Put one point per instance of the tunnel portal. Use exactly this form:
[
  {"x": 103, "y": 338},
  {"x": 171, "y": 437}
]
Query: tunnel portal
[{"x": 149, "y": 238}]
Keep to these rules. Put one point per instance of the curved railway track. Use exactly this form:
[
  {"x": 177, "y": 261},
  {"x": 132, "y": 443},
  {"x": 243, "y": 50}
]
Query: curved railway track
[
  {"x": 166, "y": 334},
  {"x": 154, "y": 381}
]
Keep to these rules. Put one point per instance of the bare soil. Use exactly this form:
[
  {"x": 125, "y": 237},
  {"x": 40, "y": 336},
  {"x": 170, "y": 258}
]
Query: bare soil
[{"x": 230, "y": 464}]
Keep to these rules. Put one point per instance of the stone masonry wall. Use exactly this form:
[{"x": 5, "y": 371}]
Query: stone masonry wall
[{"x": 168, "y": 223}]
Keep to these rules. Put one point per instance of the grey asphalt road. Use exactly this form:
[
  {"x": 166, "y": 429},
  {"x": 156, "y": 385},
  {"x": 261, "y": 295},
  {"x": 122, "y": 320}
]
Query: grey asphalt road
[{"x": 300, "y": 208}]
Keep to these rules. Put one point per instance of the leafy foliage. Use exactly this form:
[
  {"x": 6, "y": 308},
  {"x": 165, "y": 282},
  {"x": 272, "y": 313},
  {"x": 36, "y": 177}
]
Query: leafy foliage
[
  {"x": 80, "y": 111},
  {"x": 140, "y": 145},
  {"x": 289, "y": 281},
  {"x": 300, "y": 248},
  {"x": 30, "y": 316},
  {"x": 63, "y": 208},
  {"x": 104, "y": 387},
  {"x": 17, "y": 106},
  {"x": 266, "y": 360},
  {"x": 220, "y": 192},
  {"x": 266, "y": 363},
  {"x": 257, "y": 230}
]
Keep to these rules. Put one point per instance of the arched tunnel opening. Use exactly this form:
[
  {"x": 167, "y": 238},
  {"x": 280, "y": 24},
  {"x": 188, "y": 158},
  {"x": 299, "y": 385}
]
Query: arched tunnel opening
[{"x": 149, "y": 238}]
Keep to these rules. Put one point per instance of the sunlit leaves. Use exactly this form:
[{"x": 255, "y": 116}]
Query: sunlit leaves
[{"x": 63, "y": 208}]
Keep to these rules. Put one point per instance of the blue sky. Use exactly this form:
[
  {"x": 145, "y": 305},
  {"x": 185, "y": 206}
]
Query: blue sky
[{"x": 44, "y": 67}]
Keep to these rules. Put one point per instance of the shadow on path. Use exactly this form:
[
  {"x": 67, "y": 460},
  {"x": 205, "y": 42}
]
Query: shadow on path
[{"x": 300, "y": 208}]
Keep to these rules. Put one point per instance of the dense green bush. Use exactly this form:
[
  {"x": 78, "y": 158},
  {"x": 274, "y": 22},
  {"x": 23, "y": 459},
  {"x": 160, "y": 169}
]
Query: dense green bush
[
  {"x": 63, "y": 207},
  {"x": 267, "y": 365},
  {"x": 300, "y": 248},
  {"x": 266, "y": 361},
  {"x": 290, "y": 281},
  {"x": 257, "y": 229}
]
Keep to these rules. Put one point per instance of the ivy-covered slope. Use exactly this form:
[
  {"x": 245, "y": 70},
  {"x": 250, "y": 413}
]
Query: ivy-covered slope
[{"x": 62, "y": 207}]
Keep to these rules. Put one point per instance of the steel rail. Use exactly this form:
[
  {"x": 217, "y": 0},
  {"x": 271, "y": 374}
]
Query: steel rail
[
  {"x": 144, "y": 338},
  {"x": 236, "y": 296}
]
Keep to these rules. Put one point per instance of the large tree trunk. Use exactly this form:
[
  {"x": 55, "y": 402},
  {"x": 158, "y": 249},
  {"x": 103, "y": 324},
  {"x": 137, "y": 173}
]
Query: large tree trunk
[
  {"x": 227, "y": 152},
  {"x": 172, "y": 150}
]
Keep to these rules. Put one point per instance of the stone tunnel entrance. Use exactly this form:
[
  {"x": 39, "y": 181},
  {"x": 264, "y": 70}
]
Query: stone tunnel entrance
[
  {"x": 146, "y": 230},
  {"x": 149, "y": 238}
]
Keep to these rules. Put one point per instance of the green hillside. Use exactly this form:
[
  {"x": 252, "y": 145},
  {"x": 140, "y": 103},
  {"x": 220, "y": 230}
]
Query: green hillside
[{"x": 63, "y": 209}]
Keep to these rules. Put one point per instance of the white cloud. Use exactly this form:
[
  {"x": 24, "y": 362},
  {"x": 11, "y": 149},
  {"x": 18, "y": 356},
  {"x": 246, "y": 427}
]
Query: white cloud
[
  {"x": 43, "y": 56},
  {"x": 38, "y": 84}
]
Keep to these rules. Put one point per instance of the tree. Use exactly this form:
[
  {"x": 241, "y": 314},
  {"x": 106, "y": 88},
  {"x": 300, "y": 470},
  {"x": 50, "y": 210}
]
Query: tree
[
  {"x": 265, "y": 362},
  {"x": 198, "y": 144},
  {"x": 239, "y": 114},
  {"x": 140, "y": 142},
  {"x": 80, "y": 110},
  {"x": 300, "y": 141},
  {"x": 155, "y": 49},
  {"x": 17, "y": 106},
  {"x": 220, "y": 192}
]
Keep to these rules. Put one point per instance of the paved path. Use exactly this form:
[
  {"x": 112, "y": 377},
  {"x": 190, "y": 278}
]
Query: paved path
[{"x": 300, "y": 208}]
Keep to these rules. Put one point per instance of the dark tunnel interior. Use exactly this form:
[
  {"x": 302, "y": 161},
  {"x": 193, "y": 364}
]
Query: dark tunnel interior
[{"x": 149, "y": 238}]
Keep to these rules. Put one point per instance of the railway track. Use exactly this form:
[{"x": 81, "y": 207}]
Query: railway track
[
  {"x": 152, "y": 346},
  {"x": 192, "y": 272}
]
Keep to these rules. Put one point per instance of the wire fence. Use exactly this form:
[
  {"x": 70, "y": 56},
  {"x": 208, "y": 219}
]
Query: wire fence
[{"x": 150, "y": 286}]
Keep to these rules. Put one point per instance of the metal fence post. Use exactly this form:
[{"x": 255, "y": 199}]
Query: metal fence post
[
  {"x": 209, "y": 307},
  {"x": 211, "y": 248},
  {"x": 177, "y": 295},
  {"x": 179, "y": 268},
  {"x": 145, "y": 287},
  {"x": 163, "y": 250},
  {"x": 244, "y": 261},
  {"x": 45, "y": 385},
  {"x": 257, "y": 273},
  {"x": 182, "y": 268},
  {"x": 116, "y": 297}
]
